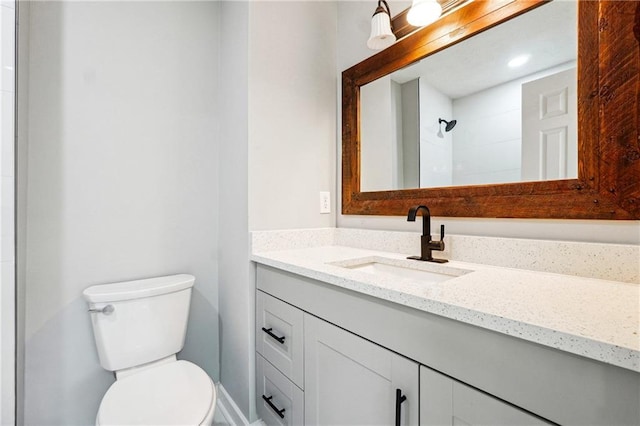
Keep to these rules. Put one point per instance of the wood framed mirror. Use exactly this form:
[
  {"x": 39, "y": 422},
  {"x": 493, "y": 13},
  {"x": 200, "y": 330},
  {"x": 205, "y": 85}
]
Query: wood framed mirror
[{"x": 607, "y": 185}]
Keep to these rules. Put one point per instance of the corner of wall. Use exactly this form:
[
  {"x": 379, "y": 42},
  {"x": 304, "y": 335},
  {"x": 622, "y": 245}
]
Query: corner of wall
[{"x": 21, "y": 161}]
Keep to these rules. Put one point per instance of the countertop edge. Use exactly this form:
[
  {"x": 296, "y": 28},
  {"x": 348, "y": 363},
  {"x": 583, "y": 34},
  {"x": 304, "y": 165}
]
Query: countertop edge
[{"x": 578, "y": 345}]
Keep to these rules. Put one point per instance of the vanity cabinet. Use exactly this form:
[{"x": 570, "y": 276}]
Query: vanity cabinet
[
  {"x": 356, "y": 350},
  {"x": 346, "y": 379},
  {"x": 448, "y": 402},
  {"x": 351, "y": 381}
]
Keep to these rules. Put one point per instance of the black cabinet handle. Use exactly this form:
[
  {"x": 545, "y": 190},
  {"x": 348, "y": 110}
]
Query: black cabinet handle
[
  {"x": 268, "y": 331},
  {"x": 400, "y": 398},
  {"x": 273, "y": 407}
]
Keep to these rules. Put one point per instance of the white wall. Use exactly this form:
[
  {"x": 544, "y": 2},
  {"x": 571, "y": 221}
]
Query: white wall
[
  {"x": 276, "y": 155},
  {"x": 292, "y": 122},
  {"x": 436, "y": 153},
  {"x": 22, "y": 130},
  {"x": 487, "y": 140},
  {"x": 407, "y": 139},
  {"x": 378, "y": 155},
  {"x": 389, "y": 125},
  {"x": 7, "y": 234},
  {"x": 353, "y": 31},
  {"x": 127, "y": 179},
  {"x": 236, "y": 278},
  {"x": 122, "y": 181}
]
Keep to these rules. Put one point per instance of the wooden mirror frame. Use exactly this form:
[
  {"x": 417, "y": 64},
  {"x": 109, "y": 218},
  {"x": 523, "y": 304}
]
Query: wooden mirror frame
[{"x": 608, "y": 183}]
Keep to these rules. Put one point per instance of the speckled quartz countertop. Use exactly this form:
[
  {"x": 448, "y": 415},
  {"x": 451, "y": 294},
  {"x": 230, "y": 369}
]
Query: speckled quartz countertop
[{"x": 594, "y": 318}]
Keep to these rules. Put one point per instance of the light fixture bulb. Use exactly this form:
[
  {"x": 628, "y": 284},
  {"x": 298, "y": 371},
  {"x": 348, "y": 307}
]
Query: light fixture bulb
[
  {"x": 518, "y": 61},
  {"x": 424, "y": 12},
  {"x": 381, "y": 34}
]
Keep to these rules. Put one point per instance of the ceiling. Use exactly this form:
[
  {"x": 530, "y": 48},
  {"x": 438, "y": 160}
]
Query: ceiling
[{"x": 481, "y": 61}]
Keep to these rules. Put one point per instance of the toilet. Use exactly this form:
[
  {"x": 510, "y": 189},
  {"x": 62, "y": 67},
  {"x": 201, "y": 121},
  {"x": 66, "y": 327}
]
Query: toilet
[{"x": 139, "y": 327}]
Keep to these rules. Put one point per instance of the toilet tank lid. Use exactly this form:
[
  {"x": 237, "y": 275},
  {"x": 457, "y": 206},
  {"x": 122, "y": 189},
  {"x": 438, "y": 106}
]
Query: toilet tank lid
[{"x": 137, "y": 289}]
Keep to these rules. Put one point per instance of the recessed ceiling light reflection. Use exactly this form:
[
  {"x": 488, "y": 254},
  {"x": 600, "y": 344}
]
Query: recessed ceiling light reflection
[{"x": 519, "y": 61}]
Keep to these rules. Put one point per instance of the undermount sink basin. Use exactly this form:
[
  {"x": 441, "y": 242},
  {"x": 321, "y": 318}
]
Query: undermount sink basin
[{"x": 405, "y": 269}]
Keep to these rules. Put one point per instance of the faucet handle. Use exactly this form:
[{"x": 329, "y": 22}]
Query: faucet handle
[{"x": 441, "y": 232}]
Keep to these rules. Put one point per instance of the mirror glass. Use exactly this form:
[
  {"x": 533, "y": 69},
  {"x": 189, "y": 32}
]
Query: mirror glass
[{"x": 498, "y": 107}]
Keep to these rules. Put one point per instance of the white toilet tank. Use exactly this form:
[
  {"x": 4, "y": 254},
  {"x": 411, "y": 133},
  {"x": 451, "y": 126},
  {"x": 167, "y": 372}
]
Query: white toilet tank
[{"x": 136, "y": 322}]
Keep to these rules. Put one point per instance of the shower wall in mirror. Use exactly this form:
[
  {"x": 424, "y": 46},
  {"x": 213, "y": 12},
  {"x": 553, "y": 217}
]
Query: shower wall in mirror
[{"x": 496, "y": 108}]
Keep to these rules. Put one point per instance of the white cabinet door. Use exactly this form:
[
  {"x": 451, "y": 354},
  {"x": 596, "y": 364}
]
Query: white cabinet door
[
  {"x": 351, "y": 381},
  {"x": 444, "y": 401}
]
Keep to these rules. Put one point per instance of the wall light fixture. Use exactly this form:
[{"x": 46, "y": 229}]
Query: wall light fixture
[
  {"x": 381, "y": 34},
  {"x": 424, "y": 12}
]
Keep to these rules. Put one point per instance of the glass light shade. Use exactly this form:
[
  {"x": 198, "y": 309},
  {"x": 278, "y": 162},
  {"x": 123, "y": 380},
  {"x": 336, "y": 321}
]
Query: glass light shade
[
  {"x": 381, "y": 34},
  {"x": 424, "y": 12}
]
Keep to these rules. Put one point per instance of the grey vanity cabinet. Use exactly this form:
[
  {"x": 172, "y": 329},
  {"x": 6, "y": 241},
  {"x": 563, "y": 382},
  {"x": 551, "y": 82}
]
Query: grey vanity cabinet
[
  {"x": 447, "y": 402},
  {"x": 490, "y": 374},
  {"x": 351, "y": 381}
]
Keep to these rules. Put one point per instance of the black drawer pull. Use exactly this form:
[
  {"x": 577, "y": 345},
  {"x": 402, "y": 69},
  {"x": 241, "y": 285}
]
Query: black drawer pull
[
  {"x": 273, "y": 407},
  {"x": 400, "y": 398},
  {"x": 268, "y": 331}
]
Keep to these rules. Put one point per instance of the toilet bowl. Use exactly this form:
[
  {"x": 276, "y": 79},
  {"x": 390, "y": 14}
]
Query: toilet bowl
[
  {"x": 176, "y": 393},
  {"x": 139, "y": 326}
]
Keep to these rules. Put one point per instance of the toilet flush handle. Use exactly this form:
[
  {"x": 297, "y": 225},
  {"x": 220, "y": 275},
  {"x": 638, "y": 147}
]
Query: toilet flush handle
[{"x": 107, "y": 310}]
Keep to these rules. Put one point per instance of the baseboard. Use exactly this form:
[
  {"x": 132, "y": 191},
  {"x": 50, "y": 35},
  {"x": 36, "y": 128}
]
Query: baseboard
[{"x": 228, "y": 409}]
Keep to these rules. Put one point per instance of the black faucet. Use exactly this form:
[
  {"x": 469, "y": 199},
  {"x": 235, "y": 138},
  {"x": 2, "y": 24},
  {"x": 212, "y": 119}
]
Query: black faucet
[{"x": 426, "y": 244}]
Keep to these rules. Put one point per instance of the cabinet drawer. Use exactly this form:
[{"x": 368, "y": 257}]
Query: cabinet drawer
[
  {"x": 279, "y": 338},
  {"x": 280, "y": 402}
]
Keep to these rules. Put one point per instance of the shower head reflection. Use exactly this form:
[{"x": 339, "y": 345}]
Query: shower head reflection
[{"x": 449, "y": 125}]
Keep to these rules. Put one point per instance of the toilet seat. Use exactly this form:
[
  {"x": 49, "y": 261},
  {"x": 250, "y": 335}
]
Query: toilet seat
[{"x": 176, "y": 393}]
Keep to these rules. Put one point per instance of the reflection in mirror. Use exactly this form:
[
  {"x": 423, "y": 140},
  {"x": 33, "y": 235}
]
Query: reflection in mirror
[{"x": 511, "y": 91}]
